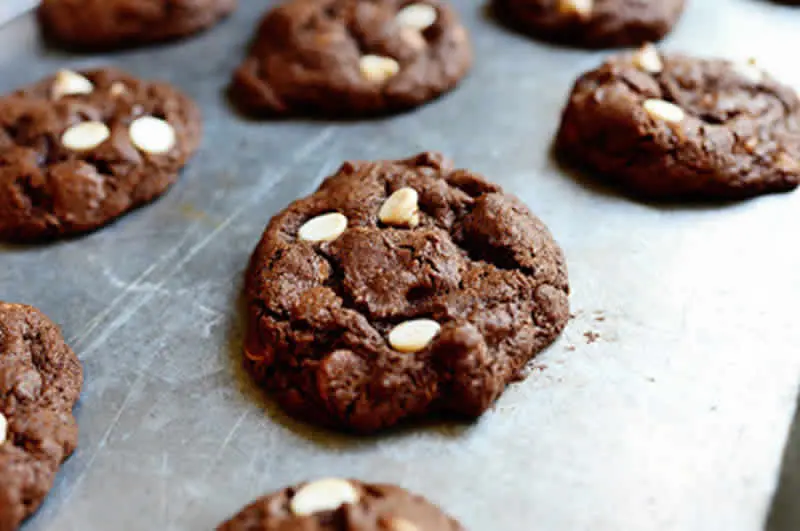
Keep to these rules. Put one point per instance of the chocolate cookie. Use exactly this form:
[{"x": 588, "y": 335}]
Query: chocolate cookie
[
  {"x": 401, "y": 289},
  {"x": 341, "y": 505},
  {"x": 592, "y": 23},
  {"x": 117, "y": 23},
  {"x": 40, "y": 381},
  {"x": 352, "y": 57},
  {"x": 79, "y": 150},
  {"x": 674, "y": 127}
]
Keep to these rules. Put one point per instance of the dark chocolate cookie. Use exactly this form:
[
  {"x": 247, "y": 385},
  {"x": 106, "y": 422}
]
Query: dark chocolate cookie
[
  {"x": 592, "y": 23},
  {"x": 674, "y": 127},
  {"x": 401, "y": 289},
  {"x": 352, "y": 57},
  {"x": 79, "y": 150},
  {"x": 40, "y": 381},
  {"x": 341, "y": 505},
  {"x": 117, "y": 23}
]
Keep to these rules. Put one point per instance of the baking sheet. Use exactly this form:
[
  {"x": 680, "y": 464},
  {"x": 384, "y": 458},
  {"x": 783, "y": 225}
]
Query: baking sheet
[
  {"x": 12, "y": 8},
  {"x": 666, "y": 404}
]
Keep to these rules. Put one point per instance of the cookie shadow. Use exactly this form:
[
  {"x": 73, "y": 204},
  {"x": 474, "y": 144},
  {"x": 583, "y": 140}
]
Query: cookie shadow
[
  {"x": 46, "y": 242},
  {"x": 598, "y": 186},
  {"x": 784, "y": 514},
  {"x": 327, "y": 438},
  {"x": 308, "y": 116}
]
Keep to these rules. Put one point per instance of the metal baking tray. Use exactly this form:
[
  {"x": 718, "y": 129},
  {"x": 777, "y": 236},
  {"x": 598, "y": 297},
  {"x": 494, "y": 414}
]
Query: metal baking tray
[{"x": 666, "y": 405}]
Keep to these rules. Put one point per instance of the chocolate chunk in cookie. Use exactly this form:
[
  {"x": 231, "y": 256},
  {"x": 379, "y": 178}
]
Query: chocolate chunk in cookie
[
  {"x": 107, "y": 24},
  {"x": 401, "y": 289},
  {"x": 592, "y": 23},
  {"x": 78, "y": 150},
  {"x": 352, "y": 57},
  {"x": 40, "y": 381},
  {"x": 341, "y": 505},
  {"x": 677, "y": 127}
]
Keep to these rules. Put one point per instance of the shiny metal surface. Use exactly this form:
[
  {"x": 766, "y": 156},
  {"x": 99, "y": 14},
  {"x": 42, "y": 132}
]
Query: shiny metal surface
[
  {"x": 665, "y": 406},
  {"x": 12, "y": 8}
]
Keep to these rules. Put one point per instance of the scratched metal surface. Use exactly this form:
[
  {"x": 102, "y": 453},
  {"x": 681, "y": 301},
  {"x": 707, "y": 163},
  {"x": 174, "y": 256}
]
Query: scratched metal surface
[{"x": 675, "y": 418}]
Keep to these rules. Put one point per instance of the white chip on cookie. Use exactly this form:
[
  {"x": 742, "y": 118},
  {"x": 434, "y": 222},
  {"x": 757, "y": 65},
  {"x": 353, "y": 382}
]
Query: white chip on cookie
[
  {"x": 323, "y": 495},
  {"x": 152, "y": 135},
  {"x": 3, "y": 428},
  {"x": 582, "y": 8},
  {"x": 664, "y": 110},
  {"x": 749, "y": 71},
  {"x": 377, "y": 68},
  {"x": 401, "y": 208},
  {"x": 413, "y": 336},
  {"x": 69, "y": 83},
  {"x": 118, "y": 88},
  {"x": 324, "y": 228},
  {"x": 85, "y": 136},
  {"x": 401, "y": 524},
  {"x": 418, "y": 16},
  {"x": 648, "y": 60}
]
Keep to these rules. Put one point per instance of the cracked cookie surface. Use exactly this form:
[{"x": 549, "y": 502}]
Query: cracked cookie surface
[
  {"x": 78, "y": 150},
  {"x": 341, "y": 505},
  {"x": 401, "y": 289},
  {"x": 40, "y": 381},
  {"x": 352, "y": 57},
  {"x": 678, "y": 127},
  {"x": 99, "y": 24},
  {"x": 592, "y": 23}
]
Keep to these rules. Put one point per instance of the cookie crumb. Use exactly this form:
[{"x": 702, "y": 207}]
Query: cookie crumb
[{"x": 591, "y": 336}]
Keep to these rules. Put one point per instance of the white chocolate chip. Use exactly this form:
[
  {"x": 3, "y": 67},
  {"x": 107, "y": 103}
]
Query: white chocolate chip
[
  {"x": 118, "y": 88},
  {"x": 377, "y": 68},
  {"x": 401, "y": 208},
  {"x": 323, "y": 495},
  {"x": 69, "y": 83},
  {"x": 401, "y": 524},
  {"x": 749, "y": 71},
  {"x": 3, "y": 428},
  {"x": 664, "y": 110},
  {"x": 413, "y": 336},
  {"x": 582, "y": 8},
  {"x": 647, "y": 59},
  {"x": 152, "y": 135},
  {"x": 418, "y": 16},
  {"x": 324, "y": 228},
  {"x": 85, "y": 136}
]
